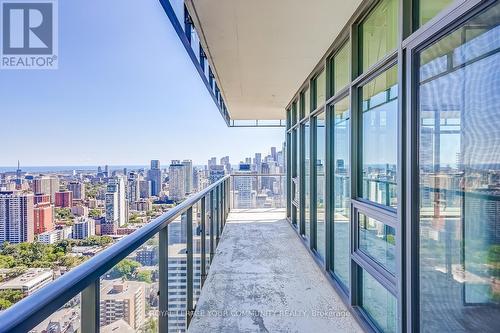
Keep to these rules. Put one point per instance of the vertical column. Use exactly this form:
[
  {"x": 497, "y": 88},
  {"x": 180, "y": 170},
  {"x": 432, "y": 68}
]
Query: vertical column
[
  {"x": 163, "y": 280},
  {"x": 90, "y": 308},
  {"x": 203, "y": 241},
  {"x": 217, "y": 215},
  {"x": 212, "y": 226},
  {"x": 189, "y": 265}
]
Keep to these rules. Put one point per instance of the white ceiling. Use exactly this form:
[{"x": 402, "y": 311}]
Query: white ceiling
[{"x": 263, "y": 50}]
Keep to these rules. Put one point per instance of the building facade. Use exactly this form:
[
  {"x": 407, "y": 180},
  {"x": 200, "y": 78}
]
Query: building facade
[{"x": 16, "y": 217}]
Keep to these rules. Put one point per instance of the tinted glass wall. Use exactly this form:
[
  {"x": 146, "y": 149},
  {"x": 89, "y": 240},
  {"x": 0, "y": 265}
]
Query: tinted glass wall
[{"x": 459, "y": 163}]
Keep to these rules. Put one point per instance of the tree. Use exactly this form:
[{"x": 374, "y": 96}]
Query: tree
[
  {"x": 126, "y": 269},
  {"x": 64, "y": 214},
  {"x": 95, "y": 213},
  {"x": 6, "y": 261},
  {"x": 144, "y": 276},
  {"x": 9, "y": 297}
]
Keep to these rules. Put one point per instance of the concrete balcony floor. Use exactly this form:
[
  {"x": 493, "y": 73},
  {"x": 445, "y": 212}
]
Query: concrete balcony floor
[{"x": 263, "y": 279}]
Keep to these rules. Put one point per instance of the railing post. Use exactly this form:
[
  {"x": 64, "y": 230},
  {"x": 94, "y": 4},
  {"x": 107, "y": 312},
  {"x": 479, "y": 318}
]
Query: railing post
[
  {"x": 189, "y": 265},
  {"x": 203, "y": 242},
  {"x": 212, "y": 227},
  {"x": 90, "y": 308},
  {"x": 163, "y": 280},
  {"x": 217, "y": 215}
]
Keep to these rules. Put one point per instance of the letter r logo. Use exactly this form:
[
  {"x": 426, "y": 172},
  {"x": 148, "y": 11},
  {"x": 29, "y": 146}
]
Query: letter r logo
[{"x": 27, "y": 28}]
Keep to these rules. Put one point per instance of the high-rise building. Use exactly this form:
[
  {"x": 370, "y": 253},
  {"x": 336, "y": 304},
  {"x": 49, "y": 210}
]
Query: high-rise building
[
  {"x": 243, "y": 186},
  {"x": 274, "y": 154},
  {"x": 78, "y": 190},
  {"x": 19, "y": 179},
  {"x": 83, "y": 228},
  {"x": 216, "y": 172},
  {"x": 116, "y": 204},
  {"x": 133, "y": 188},
  {"x": 123, "y": 300},
  {"x": 64, "y": 199},
  {"x": 16, "y": 217},
  {"x": 46, "y": 185},
  {"x": 212, "y": 162},
  {"x": 225, "y": 162},
  {"x": 154, "y": 175},
  {"x": 188, "y": 175},
  {"x": 144, "y": 188},
  {"x": 177, "y": 180},
  {"x": 43, "y": 215}
]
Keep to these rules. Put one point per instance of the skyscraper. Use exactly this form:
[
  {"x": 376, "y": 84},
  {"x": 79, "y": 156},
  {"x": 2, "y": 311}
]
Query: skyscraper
[
  {"x": 83, "y": 228},
  {"x": 188, "y": 175},
  {"x": 177, "y": 180},
  {"x": 16, "y": 217},
  {"x": 243, "y": 186},
  {"x": 116, "y": 204},
  {"x": 154, "y": 175},
  {"x": 78, "y": 190},
  {"x": 46, "y": 185}
]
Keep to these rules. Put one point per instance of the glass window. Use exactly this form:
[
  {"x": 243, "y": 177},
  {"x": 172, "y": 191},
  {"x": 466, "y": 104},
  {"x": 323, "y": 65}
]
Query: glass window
[
  {"x": 427, "y": 9},
  {"x": 294, "y": 113},
  {"x": 295, "y": 178},
  {"x": 341, "y": 191},
  {"x": 379, "y": 32},
  {"x": 306, "y": 100},
  {"x": 320, "y": 184},
  {"x": 307, "y": 177},
  {"x": 459, "y": 165},
  {"x": 288, "y": 119},
  {"x": 320, "y": 83},
  {"x": 379, "y": 138},
  {"x": 341, "y": 66},
  {"x": 378, "y": 303},
  {"x": 378, "y": 240}
]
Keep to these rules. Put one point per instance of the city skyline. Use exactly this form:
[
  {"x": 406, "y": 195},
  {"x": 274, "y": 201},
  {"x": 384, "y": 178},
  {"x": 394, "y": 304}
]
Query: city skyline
[{"x": 116, "y": 97}]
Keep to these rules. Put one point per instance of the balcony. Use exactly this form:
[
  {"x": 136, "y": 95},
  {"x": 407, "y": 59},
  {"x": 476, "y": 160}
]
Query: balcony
[
  {"x": 223, "y": 265},
  {"x": 263, "y": 279}
]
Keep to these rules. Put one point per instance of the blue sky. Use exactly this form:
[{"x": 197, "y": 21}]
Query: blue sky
[{"x": 125, "y": 92}]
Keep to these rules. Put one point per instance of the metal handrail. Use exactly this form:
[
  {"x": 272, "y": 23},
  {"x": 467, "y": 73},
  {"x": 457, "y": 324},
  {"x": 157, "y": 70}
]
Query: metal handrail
[{"x": 32, "y": 310}]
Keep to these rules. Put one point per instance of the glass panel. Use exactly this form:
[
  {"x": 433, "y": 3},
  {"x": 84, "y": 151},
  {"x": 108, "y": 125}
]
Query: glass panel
[
  {"x": 320, "y": 82},
  {"x": 427, "y": 9},
  {"x": 196, "y": 253},
  {"x": 307, "y": 176},
  {"x": 459, "y": 164},
  {"x": 378, "y": 303},
  {"x": 341, "y": 65},
  {"x": 378, "y": 240},
  {"x": 294, "y": 113},
  {"x": 342, "y": 191},
  {"x": 306, "y": 103},
  {"x": 177, "y": 274},
  {"x": 295, "y": 179},
  {"x": 379, "y": 138},
  {"x": 320, "y": 184},
  {"x": 379, "y": 32},
  {"x": 129, "y": 292},
  {"x": 65, "y": 319}
]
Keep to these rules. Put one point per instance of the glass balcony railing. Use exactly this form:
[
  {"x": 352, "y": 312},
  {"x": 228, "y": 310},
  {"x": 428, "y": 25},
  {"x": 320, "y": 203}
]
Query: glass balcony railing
[
  {"x": 149, "y": 281},
  {"x": 251, "y": 190}
]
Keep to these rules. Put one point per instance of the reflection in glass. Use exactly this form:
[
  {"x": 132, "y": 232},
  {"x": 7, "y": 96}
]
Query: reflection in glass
[
  {"x": 306, "y": 103},
  {"x": 342, "y": 191},
  {"x": 427, "y": 9},
  {"x": 459, "y": 163},
  {"x": 320, "y": 82},
  {"x": 341, "y": 65},
  {"x": 379, "y": 32},
  {"x": 320, "y": 184},
  {"x": 378, "y": 303},
  {"x": 378, "y": 240},
  {"x": 307, "y": 177},
  {"x": 379, "y": 138}
]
